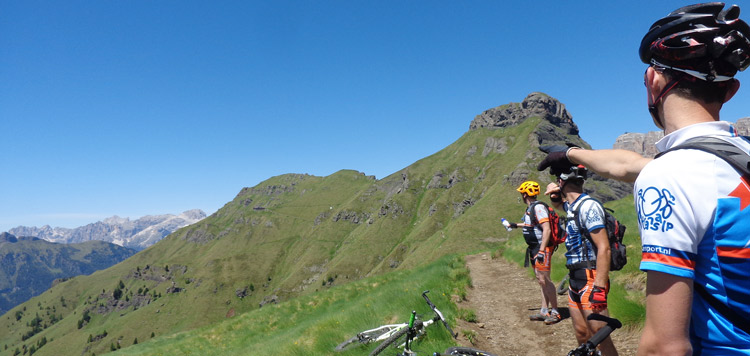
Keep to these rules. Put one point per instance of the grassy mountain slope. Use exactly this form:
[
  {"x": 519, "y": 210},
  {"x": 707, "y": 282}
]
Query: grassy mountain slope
[
  {"x": 293, "y": 235},
  {"x": 30, "y": 265},
  {"x": 315, "y": 324}
]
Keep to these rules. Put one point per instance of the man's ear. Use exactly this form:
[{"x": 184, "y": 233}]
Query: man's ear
[
  {"x": 733, "y": 88},
  {"x": 655, "y": 83}
]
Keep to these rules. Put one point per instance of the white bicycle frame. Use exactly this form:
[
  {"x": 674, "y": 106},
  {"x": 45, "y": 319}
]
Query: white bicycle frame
[{"x": 392, "y": 329}]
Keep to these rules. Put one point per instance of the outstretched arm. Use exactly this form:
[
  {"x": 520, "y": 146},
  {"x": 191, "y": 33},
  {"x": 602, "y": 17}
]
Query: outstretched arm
[{"x": 616, "y": 164}]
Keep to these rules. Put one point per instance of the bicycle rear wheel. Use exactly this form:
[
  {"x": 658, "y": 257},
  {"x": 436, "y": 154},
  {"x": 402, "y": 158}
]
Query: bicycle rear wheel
[
  {"x": 466, "y": 351},
  {"x": 389, "y": 341},
  {"x": 562, "y": 288},
  {"x": 342, "y": 346}
]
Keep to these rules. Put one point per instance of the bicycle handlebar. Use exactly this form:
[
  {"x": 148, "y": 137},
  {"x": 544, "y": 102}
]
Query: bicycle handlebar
[
  {"x": 439, "y": 314},
  {"x": 599, "y": 336},
  {"x": 602, "y": 334}
]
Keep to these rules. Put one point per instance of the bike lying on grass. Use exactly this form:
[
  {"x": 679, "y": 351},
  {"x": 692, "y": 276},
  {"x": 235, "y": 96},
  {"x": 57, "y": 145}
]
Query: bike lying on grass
[
  {"x": 463, "y": 351},
  {"x": 588, "y": 348},
  {"x": 391, "y": 333}
]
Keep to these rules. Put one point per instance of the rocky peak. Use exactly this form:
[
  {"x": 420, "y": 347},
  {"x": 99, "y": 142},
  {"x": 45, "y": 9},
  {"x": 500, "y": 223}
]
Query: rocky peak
[
  {"x": 535, "y": 105},
  {"x": 645, "y": 143}
]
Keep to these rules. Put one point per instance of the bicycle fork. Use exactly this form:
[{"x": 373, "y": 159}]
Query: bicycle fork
[{"x": 410, "y": 333}]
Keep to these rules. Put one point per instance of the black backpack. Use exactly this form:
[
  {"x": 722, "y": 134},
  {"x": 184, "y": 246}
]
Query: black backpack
[{"x": 615, "y": 233}]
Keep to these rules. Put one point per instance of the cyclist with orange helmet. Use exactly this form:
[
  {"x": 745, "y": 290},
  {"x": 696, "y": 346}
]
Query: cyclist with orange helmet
[{"x": 537, "y": 233}]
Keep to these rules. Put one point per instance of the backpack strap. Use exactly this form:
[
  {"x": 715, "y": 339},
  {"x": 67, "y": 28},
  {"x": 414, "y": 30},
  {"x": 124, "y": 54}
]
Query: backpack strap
[
  {"x": 533, "y": 205},
  {"x": 730, "y": 153},
  {"x": 584, "y": 233},
  {"x": 737, "y": 320}
]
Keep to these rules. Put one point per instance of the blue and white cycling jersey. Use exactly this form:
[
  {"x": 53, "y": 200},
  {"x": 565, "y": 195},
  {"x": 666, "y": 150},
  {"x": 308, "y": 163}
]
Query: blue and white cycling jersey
[
  {"x": 592, "y": 218},
  {"x": 695, "y": 222}
]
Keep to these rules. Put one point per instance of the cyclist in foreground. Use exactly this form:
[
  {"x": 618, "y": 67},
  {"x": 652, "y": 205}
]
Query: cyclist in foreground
[
  {"x": 692, "y": 206},
  {"x": 587, "y": 259}
]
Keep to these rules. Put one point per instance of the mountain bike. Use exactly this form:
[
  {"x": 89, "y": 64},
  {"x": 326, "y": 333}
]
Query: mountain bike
[
  {"x": 588, "y": 348},
  {"x": 463, "y": 351},
  {"x": 391, "y": 333}
]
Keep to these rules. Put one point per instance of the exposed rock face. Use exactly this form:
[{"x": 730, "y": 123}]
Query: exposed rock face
[
  {"x": 535, "y": 104},
  {"x": 743, "y": 126},
  {"x": 639, "y": 142},
  {"x": 645, "y": 144}
]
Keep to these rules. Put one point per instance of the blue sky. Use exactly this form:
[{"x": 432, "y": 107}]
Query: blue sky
[{"x": 136, "y": 108}]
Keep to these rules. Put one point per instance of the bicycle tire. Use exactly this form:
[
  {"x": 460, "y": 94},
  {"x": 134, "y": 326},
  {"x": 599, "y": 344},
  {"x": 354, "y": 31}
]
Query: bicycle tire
[
  {"x": 562, "y": 288},
  {"x": 391, "y": 340},
  {"x": 466, "y": 351},
  {"x": 342, "y": 346}
]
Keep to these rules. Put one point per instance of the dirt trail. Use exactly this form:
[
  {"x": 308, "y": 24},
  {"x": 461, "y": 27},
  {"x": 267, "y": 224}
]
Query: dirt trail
[{"x": 503, "y": 296}]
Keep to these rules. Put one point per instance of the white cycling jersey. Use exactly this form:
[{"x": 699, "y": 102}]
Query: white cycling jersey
[
  {"x": 694, "y": 221},
  {"x": 533, "y": 232}
]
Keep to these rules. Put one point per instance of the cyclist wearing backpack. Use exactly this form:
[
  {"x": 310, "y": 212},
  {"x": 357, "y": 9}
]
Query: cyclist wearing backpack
[
  {"x": 692, "y": 206},
  {"x": 587, "y": 258},
  {"x": 537, "y": 231}
]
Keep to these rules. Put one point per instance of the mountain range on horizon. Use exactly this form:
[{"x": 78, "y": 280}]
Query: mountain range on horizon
[{"x": 136, "y": 234}]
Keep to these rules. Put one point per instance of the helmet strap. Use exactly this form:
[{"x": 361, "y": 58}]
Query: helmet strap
[{"x": 652, "y": 109}]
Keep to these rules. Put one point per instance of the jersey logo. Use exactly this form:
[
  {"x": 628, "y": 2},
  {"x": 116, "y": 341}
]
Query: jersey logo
[{"x": 654, "y": 209}]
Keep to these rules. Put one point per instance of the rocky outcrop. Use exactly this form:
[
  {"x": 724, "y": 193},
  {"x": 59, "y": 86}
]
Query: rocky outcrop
[
  {"x": 743, "y": 126},
  {"x": 642, "y": 143},
  {"x": 535, "y": 105},
  {"x": 645, "y": 143}
]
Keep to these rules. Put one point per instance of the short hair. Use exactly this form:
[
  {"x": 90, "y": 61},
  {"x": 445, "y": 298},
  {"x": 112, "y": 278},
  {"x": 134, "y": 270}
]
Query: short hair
[{"x": 696, "y": 89}]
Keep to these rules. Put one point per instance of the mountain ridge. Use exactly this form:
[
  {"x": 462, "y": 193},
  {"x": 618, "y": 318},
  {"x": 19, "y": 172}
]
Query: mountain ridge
[{"x": 137, "y": 234}]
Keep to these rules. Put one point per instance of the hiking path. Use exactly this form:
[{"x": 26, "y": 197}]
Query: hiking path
[{"x": 503, "y": 296}]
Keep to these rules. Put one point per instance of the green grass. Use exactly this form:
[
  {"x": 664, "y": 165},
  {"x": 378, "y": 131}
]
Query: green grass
[{"x": 315, "y": 324}]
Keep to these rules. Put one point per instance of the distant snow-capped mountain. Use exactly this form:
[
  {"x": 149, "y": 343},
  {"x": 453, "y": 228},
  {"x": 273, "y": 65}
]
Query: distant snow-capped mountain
[{"x": 136, "y": 234}]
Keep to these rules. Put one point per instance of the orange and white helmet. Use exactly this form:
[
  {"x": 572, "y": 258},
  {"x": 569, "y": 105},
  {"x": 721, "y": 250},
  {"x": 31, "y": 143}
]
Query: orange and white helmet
[{"x": 529, "y": 187}]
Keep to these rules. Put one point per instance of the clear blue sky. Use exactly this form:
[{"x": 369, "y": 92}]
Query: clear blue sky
[{"x": 136, "y": 108}]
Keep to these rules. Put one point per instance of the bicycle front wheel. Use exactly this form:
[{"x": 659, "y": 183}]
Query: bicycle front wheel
[
  {"x": 389, "y": 341},
  {"x": 466, "y": 351}
]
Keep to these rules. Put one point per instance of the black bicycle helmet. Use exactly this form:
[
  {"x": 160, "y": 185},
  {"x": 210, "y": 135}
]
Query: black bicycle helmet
[
  {"x": 575, "y": 172},
  {"x": 704, "y": 41}
]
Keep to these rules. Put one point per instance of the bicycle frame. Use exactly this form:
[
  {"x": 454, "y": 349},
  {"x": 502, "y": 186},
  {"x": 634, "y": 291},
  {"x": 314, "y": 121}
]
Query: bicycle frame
[{"x": 416, "y": 331}]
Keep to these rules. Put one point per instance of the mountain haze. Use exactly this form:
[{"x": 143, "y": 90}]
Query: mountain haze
[
  {"x": 295, "y": 234},
  {"x": 30, "y": 265},
  {"x": 136, "y": 234}
]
